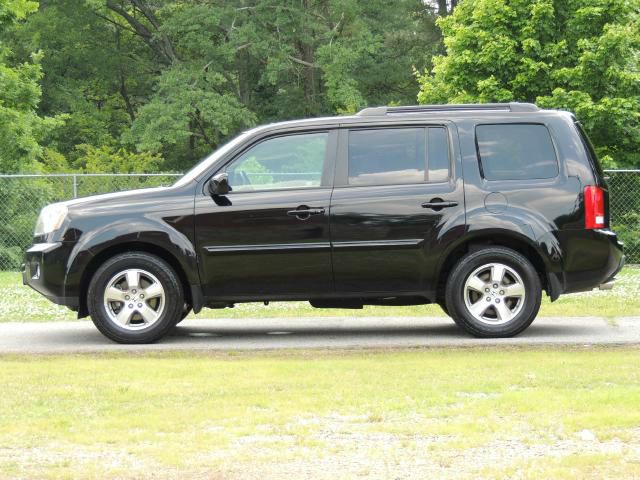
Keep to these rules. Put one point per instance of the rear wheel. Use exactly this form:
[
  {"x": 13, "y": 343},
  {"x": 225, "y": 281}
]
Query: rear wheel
[
  {"x": 135, "y": 298},
  {"x": 494, "y": 292}
]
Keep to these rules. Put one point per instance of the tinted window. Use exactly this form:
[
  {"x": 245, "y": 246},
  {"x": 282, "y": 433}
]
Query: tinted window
[
  {"x": 294, "y": 161},
  {"x": 516, "y": 152},
  {"x": 387, "y": 156},
  {"x": 438, "y": 155}
]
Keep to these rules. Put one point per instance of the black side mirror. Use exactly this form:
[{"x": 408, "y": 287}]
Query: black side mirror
[{"x": 219, "y": 184}]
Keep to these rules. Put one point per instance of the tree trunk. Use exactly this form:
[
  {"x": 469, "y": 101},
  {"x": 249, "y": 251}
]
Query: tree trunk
[{"x": 442, "y": 7}]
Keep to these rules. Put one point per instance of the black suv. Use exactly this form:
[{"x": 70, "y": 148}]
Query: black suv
[{"x": 478, "y": 208}]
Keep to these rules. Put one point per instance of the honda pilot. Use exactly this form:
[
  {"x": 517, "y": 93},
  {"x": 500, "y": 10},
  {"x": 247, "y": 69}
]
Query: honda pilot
[{"x": 478, "y": 208}]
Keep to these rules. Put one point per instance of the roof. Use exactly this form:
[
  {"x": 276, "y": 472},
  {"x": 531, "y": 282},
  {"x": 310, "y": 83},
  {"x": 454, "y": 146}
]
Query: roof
[{"x": 416, "y": 113}]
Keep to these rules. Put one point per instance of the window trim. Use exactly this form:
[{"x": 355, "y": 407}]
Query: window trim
[
  {"x": 342, "y": 168},
  {"x": 528, "y": 180},
  {"x": 326, "y": 180}
]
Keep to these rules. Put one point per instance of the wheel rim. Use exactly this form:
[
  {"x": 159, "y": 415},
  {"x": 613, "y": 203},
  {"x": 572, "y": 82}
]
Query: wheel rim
[
  {"x": 134, "y": 299},
  {"x": 494, "y": 294}
]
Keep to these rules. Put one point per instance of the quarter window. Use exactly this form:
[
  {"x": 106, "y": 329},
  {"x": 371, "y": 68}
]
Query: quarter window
[
  {"x": 438, "y": 156},
  {"x": 293, "y": 161},
  {"x": 516, "y": 152},
  {"x": 398, "y": 155}
]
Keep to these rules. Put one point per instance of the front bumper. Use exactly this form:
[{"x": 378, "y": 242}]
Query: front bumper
[{"x": 44, "y": 270}]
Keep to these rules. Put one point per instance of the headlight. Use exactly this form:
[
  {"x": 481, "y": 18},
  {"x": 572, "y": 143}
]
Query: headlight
[{"x": 50, "y": 219}]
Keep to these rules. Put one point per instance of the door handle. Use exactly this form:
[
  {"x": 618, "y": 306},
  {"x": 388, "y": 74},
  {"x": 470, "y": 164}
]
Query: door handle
[
  {"x": 438, "y": 204},
  {"x": 303, "y": 212}
]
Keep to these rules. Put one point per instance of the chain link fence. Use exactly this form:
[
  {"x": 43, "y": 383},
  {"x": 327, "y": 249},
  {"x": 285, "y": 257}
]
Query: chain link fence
[
  {"x": 22, "y": 197},
  {"x": 624, "y": 208}
]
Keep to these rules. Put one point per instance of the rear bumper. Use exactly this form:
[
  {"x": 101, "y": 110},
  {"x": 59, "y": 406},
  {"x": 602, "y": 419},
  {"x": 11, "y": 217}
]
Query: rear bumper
[
  {"x": 602, "y": 253},
  {"x": 44, "y": 271}
]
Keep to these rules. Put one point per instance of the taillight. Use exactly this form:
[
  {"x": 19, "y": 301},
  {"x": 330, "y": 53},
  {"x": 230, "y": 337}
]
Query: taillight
[{"x": 593, "y": 207}]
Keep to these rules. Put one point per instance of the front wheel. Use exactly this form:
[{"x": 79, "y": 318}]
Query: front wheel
[
  {"x": 185, "y": 312},
  {"x": 494, "y": 292},
  {"x": 135, "y": 298}
]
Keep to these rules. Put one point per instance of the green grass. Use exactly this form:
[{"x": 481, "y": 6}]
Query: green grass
[
  {"x": 21, "y": 304},
  {"x": 459, "y": 413}
]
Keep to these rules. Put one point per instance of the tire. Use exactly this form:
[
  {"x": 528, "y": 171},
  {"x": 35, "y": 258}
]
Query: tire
[
  {"x": 185, "y": 312},
  {"x": 130, "y": 313},
  {"x": 444, "y": 308},
  {"x": 511, "y": 302}
]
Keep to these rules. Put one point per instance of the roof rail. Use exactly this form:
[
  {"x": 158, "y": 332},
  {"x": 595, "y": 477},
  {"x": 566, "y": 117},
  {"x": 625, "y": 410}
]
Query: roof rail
[{"x": 505, "y": 107}]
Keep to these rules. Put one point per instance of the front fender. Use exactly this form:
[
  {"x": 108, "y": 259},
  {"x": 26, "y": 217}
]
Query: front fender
[{"x": 136, "y": 232}]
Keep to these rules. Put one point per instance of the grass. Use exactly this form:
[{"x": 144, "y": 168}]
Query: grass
[
  {"x": 19, "y": 303},
  {"x": 461, "y": 413}
]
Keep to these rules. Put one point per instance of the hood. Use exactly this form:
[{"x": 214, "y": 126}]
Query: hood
[{"x": 115, "y": 197}]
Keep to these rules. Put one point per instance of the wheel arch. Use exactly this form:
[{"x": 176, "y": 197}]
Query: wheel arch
[
  {"x": 502, "y": 238},
  {"x": 192, "y": 293}
]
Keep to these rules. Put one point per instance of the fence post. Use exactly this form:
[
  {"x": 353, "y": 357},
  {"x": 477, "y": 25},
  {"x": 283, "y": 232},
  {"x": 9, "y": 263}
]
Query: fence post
[{"x": 75, "y": 186}]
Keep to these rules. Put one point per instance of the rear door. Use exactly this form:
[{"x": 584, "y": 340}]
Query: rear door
[{"x": 398, "y": 200}]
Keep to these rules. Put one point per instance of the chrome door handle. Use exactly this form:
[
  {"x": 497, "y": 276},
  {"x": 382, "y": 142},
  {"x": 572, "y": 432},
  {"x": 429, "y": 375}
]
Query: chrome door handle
[
  {"x": 438, "y": 204},
  {"x": 304, "y": 212}
]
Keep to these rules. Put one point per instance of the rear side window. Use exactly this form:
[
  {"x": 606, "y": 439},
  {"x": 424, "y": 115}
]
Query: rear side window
[
  {"x": 516, "y": 152},
  {"x": 398, "y": 155}
]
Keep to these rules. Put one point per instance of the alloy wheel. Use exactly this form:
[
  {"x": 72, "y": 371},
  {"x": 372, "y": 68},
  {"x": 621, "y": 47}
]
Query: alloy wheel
[
  {"x": 134, "y": 299},
  {"x": 494, "y": 294}
]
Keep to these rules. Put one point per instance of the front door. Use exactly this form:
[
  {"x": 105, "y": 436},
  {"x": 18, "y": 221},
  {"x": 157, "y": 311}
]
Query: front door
[
  {"x": 397, "y": 201},
  {"x": 269, "y": 237}
]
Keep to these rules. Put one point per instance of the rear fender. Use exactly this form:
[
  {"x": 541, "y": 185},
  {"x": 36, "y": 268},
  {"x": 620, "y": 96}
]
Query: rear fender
[{"x": 499, "y": 229}]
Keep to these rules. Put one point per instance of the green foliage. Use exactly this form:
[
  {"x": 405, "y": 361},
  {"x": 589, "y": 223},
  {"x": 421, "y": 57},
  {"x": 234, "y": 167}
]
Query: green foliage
[
  {"x": 14, "y": 10},
  {"x": 20, "y": 125},
  {"x": 106, "y": 159},
  {"x": 94, "y": 74},
  {"x": 177, "y": 78},
  {"x": 579, "y": 55}
]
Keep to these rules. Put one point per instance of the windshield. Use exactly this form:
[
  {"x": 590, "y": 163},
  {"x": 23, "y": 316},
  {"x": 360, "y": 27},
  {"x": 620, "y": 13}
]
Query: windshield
[{"x": 203, "y": 165}]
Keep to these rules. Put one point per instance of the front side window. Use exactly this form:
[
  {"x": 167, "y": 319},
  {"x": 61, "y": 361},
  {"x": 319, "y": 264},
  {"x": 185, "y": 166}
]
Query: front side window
[
  {"x": 293, "y": 161},
  {"x": 398, "y": 155},
  {"x": 516, "y": 152}
]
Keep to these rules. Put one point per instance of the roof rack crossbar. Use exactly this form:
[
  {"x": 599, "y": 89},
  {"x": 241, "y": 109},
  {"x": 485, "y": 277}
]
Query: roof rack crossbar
[{"x": 506, "y": 107}]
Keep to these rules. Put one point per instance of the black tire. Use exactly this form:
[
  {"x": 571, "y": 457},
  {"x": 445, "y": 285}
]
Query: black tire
[
  {"x": 482, "y": 327},
  {"x": 185, "y": 312},
  {"x": 173, "y": 298},
  {"x": 444, "y": 308}
]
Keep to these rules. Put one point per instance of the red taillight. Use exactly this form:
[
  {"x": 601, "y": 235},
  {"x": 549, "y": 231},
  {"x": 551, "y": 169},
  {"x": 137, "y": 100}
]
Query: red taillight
[{"x": 593, "y": 207}]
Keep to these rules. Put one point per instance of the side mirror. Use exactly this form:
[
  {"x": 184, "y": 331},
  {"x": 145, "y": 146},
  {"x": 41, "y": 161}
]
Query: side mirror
[{"x": 219, "y": 184}]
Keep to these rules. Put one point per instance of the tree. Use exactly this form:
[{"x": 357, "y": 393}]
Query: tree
[
  {"x": 579, "y": 55},
  {"x": 234, "y": 64},
  {"x": 178, "y": 77},
  {"x": 20, "y": 126},
  {"x": 96, "y": 74}
]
